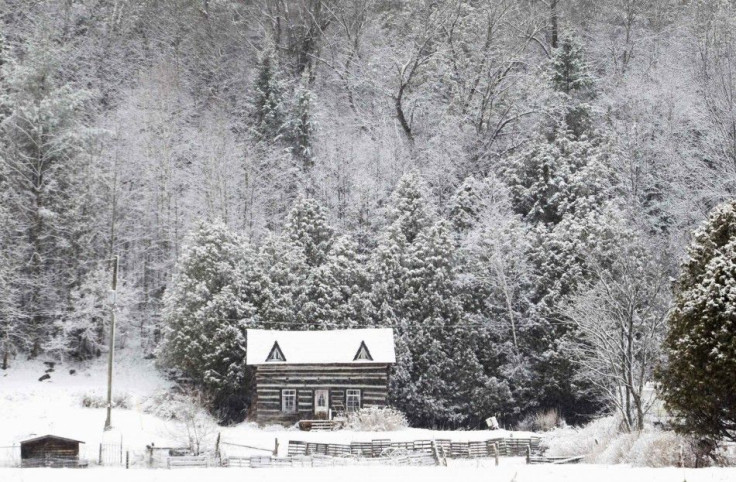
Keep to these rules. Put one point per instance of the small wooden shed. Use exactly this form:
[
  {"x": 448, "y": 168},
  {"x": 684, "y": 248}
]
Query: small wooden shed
[
  {"x": 319, "y": 375},
  {"x": 50, "y": 451}
]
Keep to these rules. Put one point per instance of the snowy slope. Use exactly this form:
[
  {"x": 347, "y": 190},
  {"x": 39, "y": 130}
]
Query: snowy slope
[{"x": 29, "y": 407}]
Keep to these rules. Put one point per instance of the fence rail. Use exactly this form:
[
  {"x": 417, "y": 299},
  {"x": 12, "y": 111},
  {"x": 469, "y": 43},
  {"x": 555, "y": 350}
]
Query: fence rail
[
  {"x": 377, "y": 448},
  {"x": 317, "y": 460}
]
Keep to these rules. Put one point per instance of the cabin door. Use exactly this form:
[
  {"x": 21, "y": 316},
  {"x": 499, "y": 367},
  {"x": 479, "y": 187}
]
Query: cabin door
[{"x": 321, "y": 403}]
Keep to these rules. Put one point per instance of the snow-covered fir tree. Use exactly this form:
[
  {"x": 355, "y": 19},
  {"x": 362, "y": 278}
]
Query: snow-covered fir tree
[
  {"x": 569, "y": 70},
  {"x": 213, "y": 299},
  {"x": 302, "y": 125},
  {"x": 44, "y": 149},
  {"x": 82, "y": 333},
  {"x": 699, "y": 377},
  {"x": 270, "y": 115},
  {"x": 307, "y": 229}
]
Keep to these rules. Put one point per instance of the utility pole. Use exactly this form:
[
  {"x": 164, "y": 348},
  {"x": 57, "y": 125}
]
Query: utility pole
[{"x": 111, "y": 352}]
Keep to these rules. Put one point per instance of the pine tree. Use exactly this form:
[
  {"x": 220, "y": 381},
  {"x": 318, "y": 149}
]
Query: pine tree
[
  {"x": 571, "y": 79},
  {"x": 563, "y": 188},
  {"x": 45, "y": 143},
  {"x": 307, "y": 229},
  {"x": 302, "y": 127},
  {"x": 285, "y": 284},
  {"x": 699, "y": 377},
  {"x": 466, "y": 205},
  {"x": 410, "y": 208},
  {"x": 270, "y": 118},
  {"x": 212, "y": 301},
  {"x": 570, "y": 73},
  {"x": 338, "y": 294},
  {"x": 82, "y": 332}
]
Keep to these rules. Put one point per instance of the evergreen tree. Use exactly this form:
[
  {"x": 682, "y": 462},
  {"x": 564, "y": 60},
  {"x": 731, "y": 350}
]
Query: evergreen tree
[
  {"x": 570, "y": 73},
  {"x": 44, "y": 142},
  {"x": 82, "y": 332},
  {"x": 212, "y": 301},
  {"x": 410, "y": 208},
  {"x": 563, "y": 188},
  {"x": 302, "y": 127},
  {"x": 466, "y": 205},
  {"x": 285, "y": 284},
  {"x": 494, "y": 282},
  {"x": 571, "y": 80},
  {"x": 699, "y": 378},
  {"x": 338, "y": 294},
  {"x": 567, "y": 176},
  {"x": 270, "y": 118},
  {"x": 307, "y": 229},
  {"x": 12, "y": 332}
]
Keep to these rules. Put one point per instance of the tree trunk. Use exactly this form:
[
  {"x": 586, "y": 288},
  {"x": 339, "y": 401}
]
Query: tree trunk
[{"x": 553, "y": 21}]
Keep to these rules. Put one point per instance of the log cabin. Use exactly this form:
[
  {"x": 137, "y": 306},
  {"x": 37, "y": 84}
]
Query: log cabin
[
  {"x": 51, "y": 451},
  {"x": 318, "y": 375}
]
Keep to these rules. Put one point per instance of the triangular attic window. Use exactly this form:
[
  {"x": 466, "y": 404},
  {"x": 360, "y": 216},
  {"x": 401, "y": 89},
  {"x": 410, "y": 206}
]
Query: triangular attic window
[
  {"x": 276, "y": 354},
  {"x": 363, "y": 353}
]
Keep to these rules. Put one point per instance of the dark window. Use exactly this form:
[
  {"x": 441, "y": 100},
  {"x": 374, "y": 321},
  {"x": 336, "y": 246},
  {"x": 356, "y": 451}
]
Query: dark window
[
  {"x": 352, "y": 399},
  {"x": 288, "y": 400}
]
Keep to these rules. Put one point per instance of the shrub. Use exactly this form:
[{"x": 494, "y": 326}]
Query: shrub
[
  {"x": 376, "y": 419},
  {"x": 543, "y": 421},
  {"x": 164, "y": 404},
  {"x": 603, "y": 442},
  {"x": 93, "y": 400}
]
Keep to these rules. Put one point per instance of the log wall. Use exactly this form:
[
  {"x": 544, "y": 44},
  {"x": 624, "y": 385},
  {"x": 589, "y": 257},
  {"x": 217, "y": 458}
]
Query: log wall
[{"x": 370, "y": 378}]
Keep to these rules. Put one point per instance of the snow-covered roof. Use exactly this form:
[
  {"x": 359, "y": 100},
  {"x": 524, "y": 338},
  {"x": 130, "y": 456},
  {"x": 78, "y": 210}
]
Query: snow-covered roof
[
  {"x": 326, "y": 346},
  {"x": 55, "y": 437}
]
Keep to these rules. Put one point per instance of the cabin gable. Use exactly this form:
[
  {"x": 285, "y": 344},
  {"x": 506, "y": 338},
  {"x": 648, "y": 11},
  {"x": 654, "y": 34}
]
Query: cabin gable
[
  {"x": 276, "y": 354},
  {"x": 327, "y": 374},
  {"x": 363, "y": 353}
]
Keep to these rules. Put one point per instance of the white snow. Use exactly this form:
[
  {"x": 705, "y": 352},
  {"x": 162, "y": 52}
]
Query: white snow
[
  {"x": 30, "y": 408},
  {"x": 327, "y": 346},
  {"x": 469, "y": 471}
]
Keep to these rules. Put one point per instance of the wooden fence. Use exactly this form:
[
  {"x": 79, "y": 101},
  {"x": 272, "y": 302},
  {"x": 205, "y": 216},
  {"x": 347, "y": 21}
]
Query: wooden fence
[
  {"x": 264, "y": 461},
  {"x": 450, "y": 449}
]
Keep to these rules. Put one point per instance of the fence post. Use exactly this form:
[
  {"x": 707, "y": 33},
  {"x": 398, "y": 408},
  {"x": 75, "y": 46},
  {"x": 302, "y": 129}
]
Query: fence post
[
  {"x": 217, "y": 447},
  {"x": 99, "y": 457},
  {"x": 528, "y": 454},
  {"x": 276, "y": 447},
  {"x": 127, "y": 459}
]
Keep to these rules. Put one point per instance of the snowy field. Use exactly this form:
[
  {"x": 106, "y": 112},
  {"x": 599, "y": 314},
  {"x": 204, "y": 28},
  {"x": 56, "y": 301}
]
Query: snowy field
[
  {"x": 29, "y": 407},
  {"x": 468, "y": 472}
]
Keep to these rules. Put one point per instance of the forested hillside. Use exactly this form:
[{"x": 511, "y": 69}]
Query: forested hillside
[{"x": 509, "y": 184}]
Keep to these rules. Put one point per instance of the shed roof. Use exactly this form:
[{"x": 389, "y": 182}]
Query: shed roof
[
  {"x": 325, "y": 346},
  {"x": 54, "y": 437}
]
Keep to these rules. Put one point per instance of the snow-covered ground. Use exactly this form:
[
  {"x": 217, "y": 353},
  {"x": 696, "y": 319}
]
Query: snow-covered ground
[
  {"x": 466, "y": 472},
  {"x": 29, "y": 407}
]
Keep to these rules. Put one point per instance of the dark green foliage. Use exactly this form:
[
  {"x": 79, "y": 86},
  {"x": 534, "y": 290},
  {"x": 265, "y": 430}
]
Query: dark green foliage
[
  {"x": 214, "y": 298},
  {"x": 570, "y": 72},
  {"x": 270, "y": 117},
  {"x": 699, "y": 377}
]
